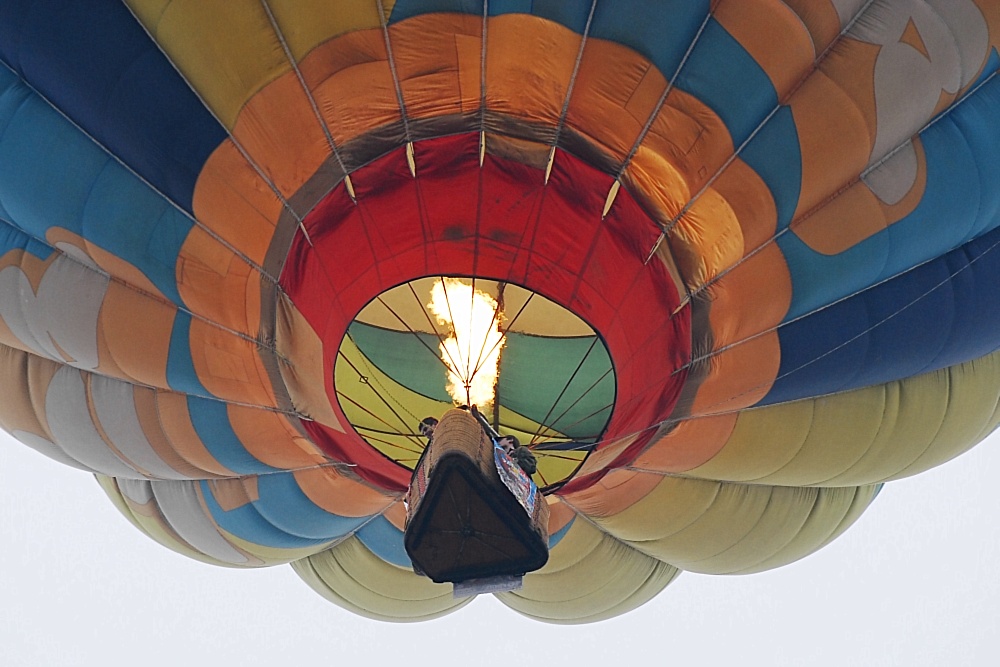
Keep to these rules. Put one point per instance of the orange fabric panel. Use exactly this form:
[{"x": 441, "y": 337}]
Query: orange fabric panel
[
  {"x": 136, "y": 331},
  {"x": 752, "y": 298},
  {"x": 396, "y": 515},
  {"x": 271, "y": 439},
  {"x": 751, "y": 201},
  {"x": 820, "y": 19},
  {"x": 529, "y": 63},
  {"x": 175, "y": 421},
  {"x": 25, "y": 381},
  {"x": 689, "y": 135},
  {"x": 601, "y": 458},
  {"x": 740, "y": 376},
  {"x": 228, "y": 366},
  {"x": 691, "y": 443},
  {"x": 352, "y": 84},
  {"x": 856, "y": 214},
  {"x": 835, "y": 138},
  {"x": 616, "y": 92},
  {"x": 426, "y": 54},
  {"x": 282, "y": 134},
  {"x": 616, "y": 492},
  {"x": 232, "y": 200},
  {"x": 340, "y": 495},
  {"x": 147, "y": 410},
  {"x": 560, "y": 514},
  {"x": 217, "y": 285},
  {"x": 754, "y": 23}
]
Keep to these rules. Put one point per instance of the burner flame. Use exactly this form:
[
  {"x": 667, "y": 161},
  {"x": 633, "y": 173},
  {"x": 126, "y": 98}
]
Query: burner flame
[{"x": 471, "y": 350}]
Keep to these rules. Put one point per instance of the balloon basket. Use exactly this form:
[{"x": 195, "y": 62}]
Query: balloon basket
[{"x": 472, "y": 513}]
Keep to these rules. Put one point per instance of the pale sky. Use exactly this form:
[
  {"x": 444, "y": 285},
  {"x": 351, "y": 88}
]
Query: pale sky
[{"x": 914, "y": 582}]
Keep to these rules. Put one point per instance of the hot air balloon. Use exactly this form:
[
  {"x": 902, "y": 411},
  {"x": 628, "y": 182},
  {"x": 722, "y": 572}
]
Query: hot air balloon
[{"x": 737, "y": 260}]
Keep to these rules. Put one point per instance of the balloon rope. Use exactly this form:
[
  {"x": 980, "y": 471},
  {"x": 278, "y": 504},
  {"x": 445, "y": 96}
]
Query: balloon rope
[{"x": 543, "y": 423}]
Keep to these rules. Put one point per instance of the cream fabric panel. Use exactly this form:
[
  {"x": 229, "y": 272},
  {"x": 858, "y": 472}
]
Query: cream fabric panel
[{"x": 352, "y": 577}]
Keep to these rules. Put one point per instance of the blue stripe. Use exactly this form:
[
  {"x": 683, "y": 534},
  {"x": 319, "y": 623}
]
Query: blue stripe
[
  {"x": 52, "y": 175},
  {"x": 943, "y": 312},
  {"x": 961, "y": 201},
  {"x": 98, "y": 66},
  {"x": 211, "y": 422},
  {"x": 247, "y": 524},
  {"x": 385, "y": 541},
  {"x": 557, "y": 536},
  {"x": 283, "y": 504}
]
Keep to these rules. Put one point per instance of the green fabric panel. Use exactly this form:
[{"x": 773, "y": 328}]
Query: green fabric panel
[
  {"x": 352, "y": 577},
  {"x": 405, "y": 357}
]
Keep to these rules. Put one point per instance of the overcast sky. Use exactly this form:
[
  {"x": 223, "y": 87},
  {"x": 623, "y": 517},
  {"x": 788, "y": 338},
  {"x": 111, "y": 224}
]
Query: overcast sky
[{"x": 914, "y": 582}]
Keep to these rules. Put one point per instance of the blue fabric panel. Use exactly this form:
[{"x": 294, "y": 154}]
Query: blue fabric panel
[
  {"x": 661, "y": 30},
  {"x": 960, "y": 202},
  {"x": 247, "y": 524},
  {"x": 211, "y": 422},
  {"x": 724, "y": 76},
  {"x": 775, "y": 154},
  {"x": 12, "y": 238},
  {"x": 385, "y": 541},
  {"x": 943, "y": 312},
  {"x": 181, "y": 374},
  {"x": 52, "y": 175},
  {"x": 405, "y": 9},
  {"x": 283, "y": 504},
  {"x": 95, "y": 63}
]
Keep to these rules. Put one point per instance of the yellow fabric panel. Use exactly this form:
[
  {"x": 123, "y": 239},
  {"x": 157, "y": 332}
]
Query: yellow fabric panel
[
  {"x": 352, "y": 577},
  {"x": 590, "y": 577},
  {"x": 866, "y": 435},
  {"x": 822, "y": 526},
  {"x": 227, "y": 51},
  {"x": 305, "y": 24},
  {"x": 723, "y": 528}
]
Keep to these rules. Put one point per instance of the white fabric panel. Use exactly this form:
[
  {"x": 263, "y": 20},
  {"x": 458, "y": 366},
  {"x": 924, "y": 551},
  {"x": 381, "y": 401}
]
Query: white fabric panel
[
  {"x": 114, "y": 403},
  {"x": 49, "y": 449},
  {"x": 60, "y": 320},
  {"x": 72, "y": 428},
  {"x": 183, "y": 510}
]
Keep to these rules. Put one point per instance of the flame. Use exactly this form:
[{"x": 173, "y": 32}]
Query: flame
[{"x": 472, "y": 349}]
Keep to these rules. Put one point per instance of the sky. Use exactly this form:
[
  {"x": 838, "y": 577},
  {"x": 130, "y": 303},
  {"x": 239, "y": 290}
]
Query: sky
[{"x": 914, "y": 582}]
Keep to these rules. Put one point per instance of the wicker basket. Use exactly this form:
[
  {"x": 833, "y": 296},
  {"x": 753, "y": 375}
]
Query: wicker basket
[{"x": 471, "y": 512}]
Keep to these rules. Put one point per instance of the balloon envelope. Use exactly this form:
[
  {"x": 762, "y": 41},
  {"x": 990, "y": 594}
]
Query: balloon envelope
[{"x": 742, "y": 254}]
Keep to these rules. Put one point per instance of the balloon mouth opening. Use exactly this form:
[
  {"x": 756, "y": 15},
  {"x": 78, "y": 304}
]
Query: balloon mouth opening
[{"x": 536, "y": 370}]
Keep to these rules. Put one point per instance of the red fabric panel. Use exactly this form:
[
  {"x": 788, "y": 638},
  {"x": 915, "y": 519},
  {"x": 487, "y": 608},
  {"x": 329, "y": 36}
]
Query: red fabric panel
[{"x": 499, "y": 222}]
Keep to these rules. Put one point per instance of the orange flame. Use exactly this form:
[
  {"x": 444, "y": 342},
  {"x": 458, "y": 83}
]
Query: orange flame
[{"x": 472, "y": 348}]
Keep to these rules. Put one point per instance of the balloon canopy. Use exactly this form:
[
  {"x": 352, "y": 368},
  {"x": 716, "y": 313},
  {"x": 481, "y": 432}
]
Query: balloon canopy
[{"x": 741, "y": 255}]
